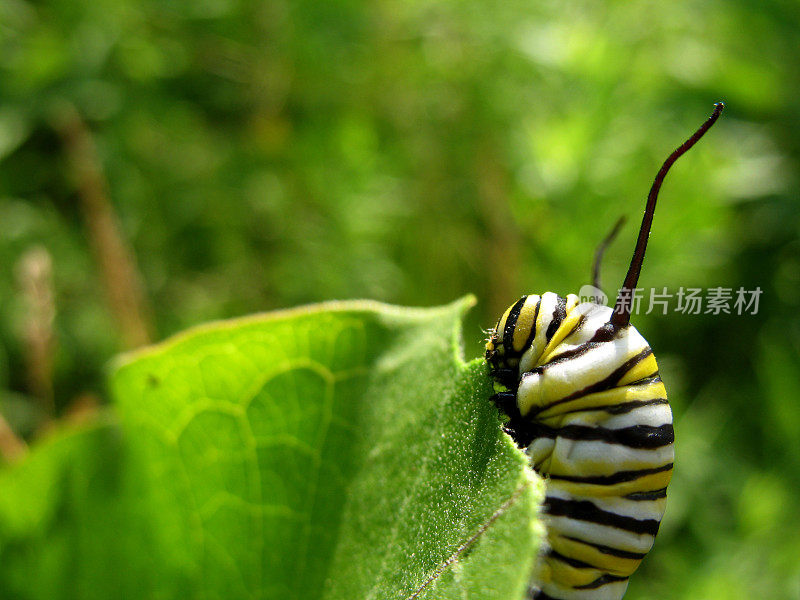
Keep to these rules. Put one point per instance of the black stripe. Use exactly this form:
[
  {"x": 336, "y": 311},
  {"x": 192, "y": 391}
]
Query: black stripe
[
  {"x": 578, "y": 350},
  {"x": 568, "y": 354},
  {"x": 607, "y": 332},
  {"x": 583, "y": 510},
  {"x": 540, "y": 595},
  {"x": 559, "y": 314},
  {"x": 572, "y": 562},
  {"x": 501, "y": 374},
  {"x": 618, "y": 477},
  {"x": 620, "y": 408},
  {"x": 645, "y": 496},
  {"x": 614, "y": 378},
  {"x": 601, "y": 386},
  {"x": 577, "y": 328},
  {"x": 532, "y": 334},
  {"x": 574, "y": 352},
  {"x": 637, "y": 436},
  {"x": 626, "y": 407},
  {"x": 608, "y": 549},
  {"x": 601, "y": 581},
  {"x": 511, "y": 324}
]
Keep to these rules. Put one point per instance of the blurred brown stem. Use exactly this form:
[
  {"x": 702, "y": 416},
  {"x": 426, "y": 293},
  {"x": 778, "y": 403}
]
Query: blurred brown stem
[
  {"x": 120, "y": 275},
  {"x": 35, "y": 276},
  {"x": 12, "y": 448},
  {"x": 82, "y": 409}
]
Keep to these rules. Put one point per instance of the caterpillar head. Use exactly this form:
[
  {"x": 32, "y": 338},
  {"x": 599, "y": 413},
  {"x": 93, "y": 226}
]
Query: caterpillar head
[{"x": 539, "y": 329}]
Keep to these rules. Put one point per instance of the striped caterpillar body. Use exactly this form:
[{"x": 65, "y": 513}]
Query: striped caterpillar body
[
  {"x": 581, "y": 391},
  {"x": 593, "y": 413}
]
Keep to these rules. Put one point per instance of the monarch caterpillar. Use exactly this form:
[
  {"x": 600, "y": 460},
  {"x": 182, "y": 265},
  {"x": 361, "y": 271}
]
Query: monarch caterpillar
[{"x": 581, "y": 390}]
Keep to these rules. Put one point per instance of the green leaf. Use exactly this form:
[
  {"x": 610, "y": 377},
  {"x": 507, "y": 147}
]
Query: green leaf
[{"x": 336, "y": 452}]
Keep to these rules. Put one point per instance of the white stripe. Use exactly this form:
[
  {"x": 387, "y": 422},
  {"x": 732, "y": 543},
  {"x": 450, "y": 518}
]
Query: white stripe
[
  {"x": 590, "y": 458},
  {"x": 653, "y": 415},
  {"x": 604, "y": 535},
  {"x": 611, "y": 591}
]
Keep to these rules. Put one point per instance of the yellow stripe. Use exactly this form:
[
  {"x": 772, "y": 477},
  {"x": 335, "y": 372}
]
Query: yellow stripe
[
  {"x": 654, "y": 481},
  {"x": 501, "y": 326},
  {"x": 618, "y": 395},
  {"x": 566, "y": 327},
  {"x": 567, "y": 575},
  {"x": 641, "y": 370},
  {"x": 525, "y": 322},
  {"x": 608, "y": 563}
]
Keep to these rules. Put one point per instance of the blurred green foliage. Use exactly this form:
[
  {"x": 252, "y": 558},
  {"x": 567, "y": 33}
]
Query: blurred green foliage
[{"x": 266, "y": 154}]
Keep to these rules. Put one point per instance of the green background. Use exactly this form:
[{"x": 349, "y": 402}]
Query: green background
[{"x": 264, "y": 155}]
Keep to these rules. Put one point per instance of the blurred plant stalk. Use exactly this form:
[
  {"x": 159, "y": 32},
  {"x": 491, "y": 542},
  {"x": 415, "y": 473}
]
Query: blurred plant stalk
[
  {"x": 120, "y": 275},
  {"x": 12, "y": 448},
  {"x": 35, "y": 279}
]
